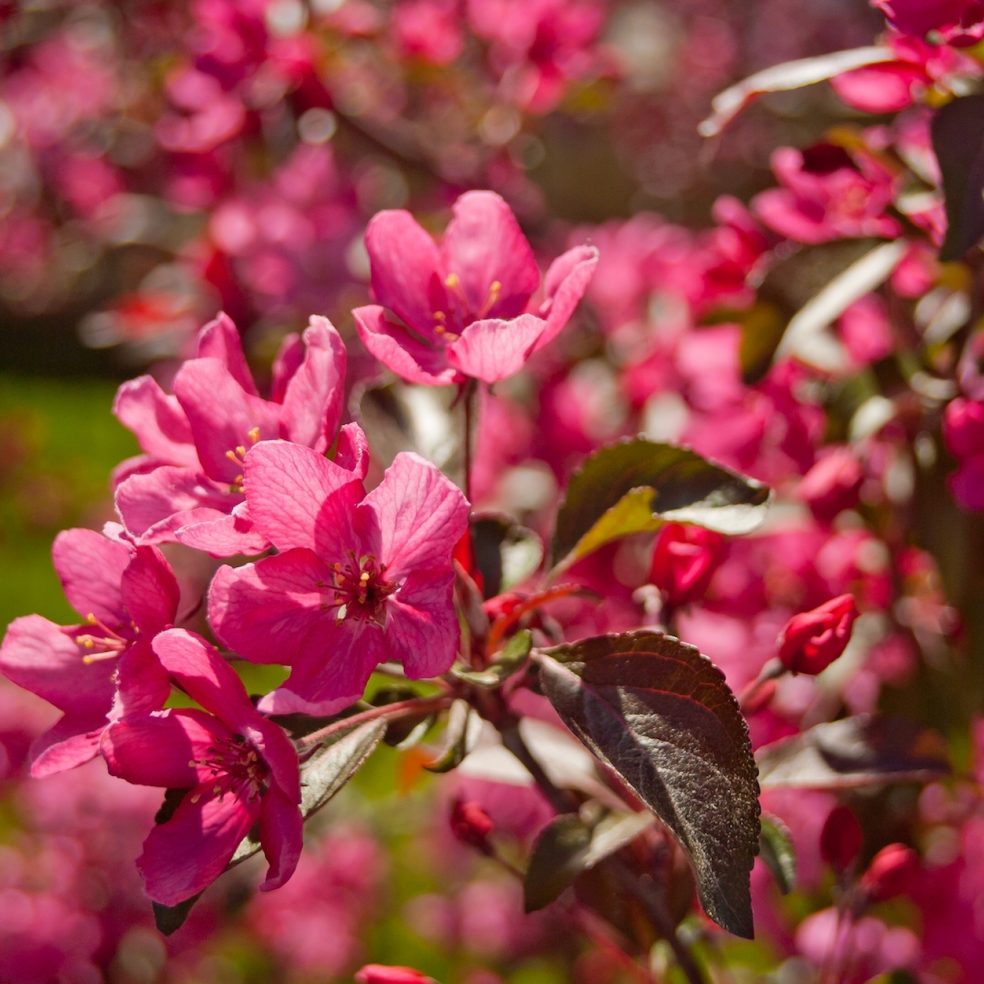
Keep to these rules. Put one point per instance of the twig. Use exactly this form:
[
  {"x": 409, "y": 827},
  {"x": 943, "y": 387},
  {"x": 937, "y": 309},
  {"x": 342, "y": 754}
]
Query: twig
[{"x": 401, "y": 708}]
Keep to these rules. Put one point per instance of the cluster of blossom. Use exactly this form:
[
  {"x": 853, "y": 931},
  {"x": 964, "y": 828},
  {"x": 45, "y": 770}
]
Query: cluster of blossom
[{"x": 846, "y": 420}]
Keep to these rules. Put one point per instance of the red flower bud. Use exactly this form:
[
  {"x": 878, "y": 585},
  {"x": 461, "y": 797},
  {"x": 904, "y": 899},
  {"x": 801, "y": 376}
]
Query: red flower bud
[
  {"x": 381, "y": 974},
  {"x": 841, "y": 839},
  {"x": 811, "y": 641},
  {"x": 684, "y": 559},
  {"x": 890, "y": 873},
  {"x": 471, "y": 824}
]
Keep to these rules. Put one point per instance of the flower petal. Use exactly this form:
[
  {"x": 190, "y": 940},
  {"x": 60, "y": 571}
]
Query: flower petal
[
  {"x": 565, "y": 284},
  {"x": 266, "y": 611},
  {"x": 491, "y": 350},
  {"x": 150, "y": 590},
  {"x": 281, "y": 836},
  {"x": 67, "y": 745},
  {"x": 90, "y": 567},
  {"x": 484, "y": 245},
  {"x": 220, "y": 339},
  {"x": 157, "y": 420},
  {"x": 352, "y": 453},
  {"x": 162, "y": 749},
  {"x": 187, "y": 853},
  {"x": 405, "y": 263},
  {"x": 298, "y": 498},
  {"x": 422, "y": 629},
  {"x": 142, "y": 684},
  {"x": 420, "y": 516},
  {"x": 199, "y": 670},
  {"x": 221, "y": 535},
  {"x": 312, "y": 404},
  {"x": 400, "y": 351}
]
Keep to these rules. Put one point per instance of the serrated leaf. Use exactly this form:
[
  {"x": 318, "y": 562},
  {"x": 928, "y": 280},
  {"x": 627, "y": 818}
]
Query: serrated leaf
[
  {"x": 958, "y": 140},
  {"x": 864, "y": 750},
  {"x": 506, "y": 553},
  {"x": 325, "y": 773},
  {"x": 568, "y": 846},
  {"x": 778, "y": 853},
  {"x": 660, "y": 714},
  {"x": 635, "y": 485},
  {"x": 170, "y": 918}
]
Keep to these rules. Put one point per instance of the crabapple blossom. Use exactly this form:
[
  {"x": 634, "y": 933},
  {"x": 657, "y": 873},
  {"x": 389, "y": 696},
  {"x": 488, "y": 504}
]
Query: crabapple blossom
[
  {"x": 235, "y": 767},
  {"x": 463, "y": 308},
  {"x": 358, "y": 580}
]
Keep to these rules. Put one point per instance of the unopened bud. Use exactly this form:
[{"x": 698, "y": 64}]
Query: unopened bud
[
  {"x": 381, "y": 974},
  {"x": 684, "y": 560},
  {"x": 812, "y": 640},
  {"x": 890, "y": 873},
  {"x": 841, "y": 839},
  {"x": 471, "y": 824}
]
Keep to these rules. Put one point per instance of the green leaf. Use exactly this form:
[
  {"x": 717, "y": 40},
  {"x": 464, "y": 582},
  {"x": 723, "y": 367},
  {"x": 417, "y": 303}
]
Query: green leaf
[
  {"x": 569, "y": 845},
  {"x": 505, "y": 552},
  {"x": 865, "y": 750},
  {"x": 635, "y": 485},
  {"x": 778, "y": 852},
  {"x": 660, "y": 714},
  {"x": 170, "y": 918},
  {"x": 958, "y": 140},
  {"x": 509, "y": 659},
  {"x": 459, "y": 738}
]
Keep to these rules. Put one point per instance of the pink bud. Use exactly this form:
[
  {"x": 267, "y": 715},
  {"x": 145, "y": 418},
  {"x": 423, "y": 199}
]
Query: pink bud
[
  {"x": 382, "y": 974},
  {"x": 841, "y": 839},
  {"x": 812, "y": 640},
  {"x": 890, "y": 873},
  {"x": 832, "y": 484},
  {"x": 684, "y": 559},
  {"x": 471, "y": 824},
  {"x": 963, "y": 427}
]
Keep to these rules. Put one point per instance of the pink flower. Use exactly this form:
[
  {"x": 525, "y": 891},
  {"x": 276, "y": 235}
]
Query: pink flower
[
  {"x": 684, "y": 560},
  {"x": 811, "y": 641},
  {"x": 237, "y": 768},
  {"x": 957, "y": 21},
  {"x": 357, "y": 581},
  {"x": 824, "y": 195},
  {"x": 126, "y": 596},
  {"x": 464, "y": 307},
  {"x": 188, "y": 485},
  {"x": 833, "y": 483},
  {"x": 892, "y": 872}
]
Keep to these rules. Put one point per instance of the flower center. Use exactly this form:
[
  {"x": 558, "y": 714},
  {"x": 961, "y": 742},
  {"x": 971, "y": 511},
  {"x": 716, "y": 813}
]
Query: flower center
[
  {"x": 237, "y": 456},
  {"x": 459, "y": 309},
  {"x": 359, "y": 588},
  {"x": 233, "y": 766},
  {"x": 106, "y": 643}
]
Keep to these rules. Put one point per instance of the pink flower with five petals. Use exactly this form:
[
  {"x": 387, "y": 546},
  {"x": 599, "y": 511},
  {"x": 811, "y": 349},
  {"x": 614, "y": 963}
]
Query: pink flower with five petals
[
  {"x": 357, "y": 581},
  {"x": 237, "y": 769},
  {"x": 463, "y": 308}
]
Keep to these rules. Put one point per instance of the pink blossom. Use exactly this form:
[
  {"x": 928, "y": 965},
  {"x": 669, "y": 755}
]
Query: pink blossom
[
  {"x": 237, "y": 768},
  {"x": 833, "y": 483},
  {"x": 126, "y": 595},
  {"x": 956, "y": 21},
  {"x": 684, "y": 561},
  {"x": 391, "y": 974},
  {"x": 357, "y": 581},
  {"x": 464, "y": 307},
  {"x": 824, "y": 195},
  {"x": 188, "y": 486}
]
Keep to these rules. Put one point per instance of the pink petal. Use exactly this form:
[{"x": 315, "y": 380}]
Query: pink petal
[
  {"x": 282, "y": 837},
  {"x": 484, "y": 245},
  {"x": 90, "y": 567},
  {"x": 313, "y": 398},
  {"x": 298, "y": 498},
  {"x": 223, "y": 416},
  {"x": 328, "y": 677},
  {"x": 406, "y": 274},
  {"x": 150, "y": 590},
  {"x": 45, "y": 659},
  {"x": 153, "y": 505},
  {"x": 402, "y": 352},
  {"x": 279, "y": 754},
  {"x": 185, "y": 855},
  {"x": 352, "y": 452},
  {"x": 422, "y": 629},
  {"x": 286, "y": 362},
  {"x": 220, "y": 339},
  {"x": 420, "y": 516},
  {"x": 565, "y": 284},
  {"x": 64, "y": 746},
  {"x": 161, "y": 749},
  {"x": 157, "y": 420},
  {"x": 267, "y": 611},
  {"x": 199, "y": 670},
  {"x": 230, "y": 535},
  {"x": 493, "y": 350},
  {"x": 142, "y": 684}
]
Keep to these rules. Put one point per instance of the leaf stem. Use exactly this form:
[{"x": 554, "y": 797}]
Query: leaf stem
[
  {"x": 401, "y": 708},
  {"x": 468, "y": 398}
]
